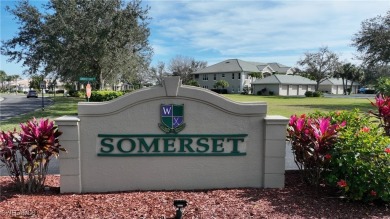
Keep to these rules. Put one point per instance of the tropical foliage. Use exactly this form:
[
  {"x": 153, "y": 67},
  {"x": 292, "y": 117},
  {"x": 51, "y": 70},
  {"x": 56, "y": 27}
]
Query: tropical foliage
[
  {"x": 345, "y": 150},
  {"x": 26, "y": 154}
]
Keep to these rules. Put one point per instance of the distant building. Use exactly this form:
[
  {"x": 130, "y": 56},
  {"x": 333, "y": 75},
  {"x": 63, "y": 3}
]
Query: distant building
[
  {"x": 335, "y": 86},
  {"x": 295, "y": 85},
  {"x": 283, "y": 85},
  {"x": 237, "y": 73}
]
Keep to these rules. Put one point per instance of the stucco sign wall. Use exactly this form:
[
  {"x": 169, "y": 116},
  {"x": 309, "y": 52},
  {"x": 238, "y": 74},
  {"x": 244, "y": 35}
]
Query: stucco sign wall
[{"x": 171, "y": 137}]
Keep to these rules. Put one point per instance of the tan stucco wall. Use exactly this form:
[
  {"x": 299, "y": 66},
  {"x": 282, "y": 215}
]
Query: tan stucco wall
[{"x": 204, "y": 113}]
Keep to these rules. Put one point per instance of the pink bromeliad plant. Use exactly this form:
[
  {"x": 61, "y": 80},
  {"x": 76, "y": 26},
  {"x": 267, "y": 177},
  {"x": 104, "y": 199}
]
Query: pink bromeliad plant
[
  {"x": 26, "y": 154},
  {"x": 382, "y": 103},
  {"x": 311, "y": 140}
]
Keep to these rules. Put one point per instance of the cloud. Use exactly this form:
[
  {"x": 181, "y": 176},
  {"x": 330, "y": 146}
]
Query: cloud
[{"x": 258, "y": 29}]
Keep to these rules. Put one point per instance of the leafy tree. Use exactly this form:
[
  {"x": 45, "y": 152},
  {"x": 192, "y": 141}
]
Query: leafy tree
[
  {"x": 373, "y": 40},
  {"x": 256, "y": 74},
  {"x": 35, "y": 82},
  {"x": 221, "y": 83},
  {"x": 374, "y": 73},
  {"x": 348, "y": 72},
  {"x": 183, "y": 66},
  {"x": 383, "y": 86},
  {"x": 13, "y": 78},
  {"x": 106, "y": 39},
  {"x": 320, "y": 65},
  {"x": 156, "y": 73},
  {"x": 3, "y": 77}
]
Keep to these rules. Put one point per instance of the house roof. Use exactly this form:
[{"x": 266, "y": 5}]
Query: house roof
[
  {"x": 336, "y": 81},
  {"x": 237, "y": 65},
  {"x": 279, "y": 68},
  {"x": 285, "y": 79},
  {"x": 231, "y": 65}
]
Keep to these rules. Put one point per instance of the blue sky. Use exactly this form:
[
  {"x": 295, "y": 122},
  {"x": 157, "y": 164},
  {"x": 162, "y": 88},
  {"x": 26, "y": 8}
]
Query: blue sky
[{"x": 256, "y": 30}]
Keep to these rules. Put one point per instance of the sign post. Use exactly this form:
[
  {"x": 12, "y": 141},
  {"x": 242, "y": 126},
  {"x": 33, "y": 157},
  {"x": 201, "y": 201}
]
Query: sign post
[
  {"x": 88, "y": 90},
  {"x": 42, "y": 85}
]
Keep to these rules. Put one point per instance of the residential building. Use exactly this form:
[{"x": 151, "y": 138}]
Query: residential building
[
  {"x": 295, "y": 85},
  {"x": 335, "y": 86},
  {"x": 237, "y": 73},
  {"x": 283, "y": 85}
]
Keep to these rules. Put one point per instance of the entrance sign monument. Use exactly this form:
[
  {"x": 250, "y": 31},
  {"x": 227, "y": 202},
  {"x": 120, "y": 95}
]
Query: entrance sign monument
[{"x": 171, "y": 136}]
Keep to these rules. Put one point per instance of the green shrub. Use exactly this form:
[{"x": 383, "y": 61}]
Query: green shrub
[
  {"x": 271, "y": 93},
  {"x": 360, "y": 164},
  {"x": 100, "y": 96},
  {"x": 318, "y": 94},
  {"x": 356, "y": 160},
  {"x": 309, "y": 93}
]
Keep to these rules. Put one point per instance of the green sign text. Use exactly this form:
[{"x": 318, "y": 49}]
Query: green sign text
[{"x": 172, "y": 145}]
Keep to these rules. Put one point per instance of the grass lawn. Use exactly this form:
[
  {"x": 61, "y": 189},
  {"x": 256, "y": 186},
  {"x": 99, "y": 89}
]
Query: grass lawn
[
  {"x": 61, "y": 106},
  {"x": 285, "y": 106}
]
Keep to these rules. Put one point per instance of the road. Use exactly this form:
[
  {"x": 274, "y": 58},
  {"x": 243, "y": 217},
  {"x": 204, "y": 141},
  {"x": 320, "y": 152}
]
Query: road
[{"x": 13, "y": 105}]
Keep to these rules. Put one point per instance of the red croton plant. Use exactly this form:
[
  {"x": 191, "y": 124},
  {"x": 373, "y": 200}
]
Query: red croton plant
[
  {"x": 26, "y": 154},
  {"x": 311, "y": 140}
]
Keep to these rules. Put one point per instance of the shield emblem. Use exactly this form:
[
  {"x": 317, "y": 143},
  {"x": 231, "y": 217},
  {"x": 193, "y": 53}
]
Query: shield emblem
[{"x": 172, "y": 118}]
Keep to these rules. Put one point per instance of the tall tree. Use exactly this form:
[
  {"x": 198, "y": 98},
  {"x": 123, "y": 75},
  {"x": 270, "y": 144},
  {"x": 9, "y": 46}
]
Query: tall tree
[
  {"x": 183, "y": 66},
  {"x": 320, "y": 65},
  {"x": 35, "y": 82},
  {"x": 156, "y": 73},
  {"x": 349, "y": 72},
  {"x": 105, "y": 39},
  {"x": 3, "y": 77},
  {"x": 372, "y": 41}
]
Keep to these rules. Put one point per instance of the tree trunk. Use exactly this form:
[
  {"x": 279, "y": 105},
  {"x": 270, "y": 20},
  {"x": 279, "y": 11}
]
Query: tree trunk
[
  {"x": 344, "y": 86},
  {"x": 350, "y": 88}
]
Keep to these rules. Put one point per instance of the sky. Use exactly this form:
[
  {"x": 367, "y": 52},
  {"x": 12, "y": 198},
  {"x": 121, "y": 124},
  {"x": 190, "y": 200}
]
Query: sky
[{"x": 256, "y": 30}]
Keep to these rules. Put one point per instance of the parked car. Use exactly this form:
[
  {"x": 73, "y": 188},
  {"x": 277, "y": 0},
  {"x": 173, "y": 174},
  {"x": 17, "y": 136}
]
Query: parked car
[
  {"x": 32, "y": 93},
  {"x": 362, "y": 90}
]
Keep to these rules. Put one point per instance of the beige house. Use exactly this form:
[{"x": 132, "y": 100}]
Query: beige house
[
  {"x": 237, "y": 73},
  {"x": 283, "y": 85},
  {"x": 335, "y": 86}
]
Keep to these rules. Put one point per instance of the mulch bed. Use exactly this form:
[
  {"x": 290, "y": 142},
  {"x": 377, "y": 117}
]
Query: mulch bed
[{"x": 296, "y": 200}]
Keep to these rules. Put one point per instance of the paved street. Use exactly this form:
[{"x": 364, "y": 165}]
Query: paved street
[{"x": 17, "y": 104}]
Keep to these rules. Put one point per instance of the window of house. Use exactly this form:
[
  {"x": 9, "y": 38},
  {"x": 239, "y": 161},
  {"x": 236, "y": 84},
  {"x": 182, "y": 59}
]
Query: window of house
[
  {"x": 232, "y": 75},
  {"x": 196, "y": 76},
  {"x": 205, "y": 77},
  {"x": 239, "y": 75},
  {"x": 223, "y": 75},
  {"x": 215, "y": 77}
]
